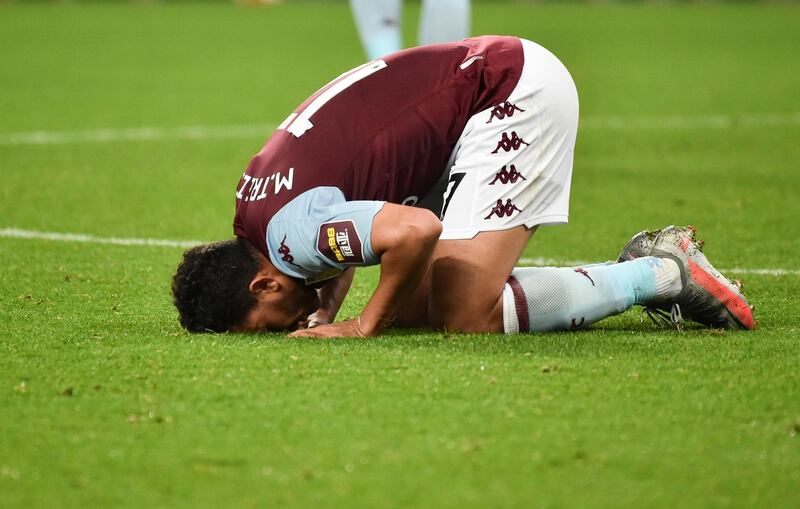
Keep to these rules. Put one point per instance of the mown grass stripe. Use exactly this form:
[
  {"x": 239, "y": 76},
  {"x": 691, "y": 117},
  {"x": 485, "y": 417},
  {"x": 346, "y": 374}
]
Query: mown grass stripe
[
  {"x": 18, "y": 233},
  {"x": 668, "y": 122}
]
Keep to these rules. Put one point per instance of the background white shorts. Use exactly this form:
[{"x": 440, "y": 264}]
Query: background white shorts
[{"x": 512, "y": 164}]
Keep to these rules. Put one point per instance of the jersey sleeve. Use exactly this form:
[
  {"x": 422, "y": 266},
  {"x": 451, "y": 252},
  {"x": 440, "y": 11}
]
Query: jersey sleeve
[{"x": 318, "y": 234}]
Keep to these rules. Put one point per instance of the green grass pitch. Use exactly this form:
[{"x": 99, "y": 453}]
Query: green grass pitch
[{"x": 690, "y": 114}]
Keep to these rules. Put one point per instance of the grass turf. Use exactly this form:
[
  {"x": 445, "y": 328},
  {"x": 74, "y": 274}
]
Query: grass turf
[{"x": 104, "y": 401}]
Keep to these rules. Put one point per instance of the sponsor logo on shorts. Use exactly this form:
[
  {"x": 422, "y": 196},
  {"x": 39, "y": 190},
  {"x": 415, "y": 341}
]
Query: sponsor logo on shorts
[
  {"x": 509, "y": 144},
  {"x": 503, "y": 210},
  {"x": 503, "y": 110},
  {"x": 339, "y": 242},
  {"x": 285, "y": 252},
  {"x": 507, "y": 174}
]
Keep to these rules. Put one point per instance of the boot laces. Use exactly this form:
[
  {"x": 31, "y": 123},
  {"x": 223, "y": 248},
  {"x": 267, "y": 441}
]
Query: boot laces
[{"x": 661, "y": 318}]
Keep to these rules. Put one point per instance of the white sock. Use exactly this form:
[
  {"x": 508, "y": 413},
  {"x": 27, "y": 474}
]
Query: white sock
[
  {"x": 378, "y": 23},
  {"x": 550, "y": 298},
  {"x": 443, "y": 21}
]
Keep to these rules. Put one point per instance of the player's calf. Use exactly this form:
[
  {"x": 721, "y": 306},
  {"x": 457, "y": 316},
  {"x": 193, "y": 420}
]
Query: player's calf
[{"x": 550, "y": 298}]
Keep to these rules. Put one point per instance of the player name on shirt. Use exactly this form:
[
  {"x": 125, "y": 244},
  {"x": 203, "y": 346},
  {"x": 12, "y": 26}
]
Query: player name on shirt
[{"x": 258, "y": 188}]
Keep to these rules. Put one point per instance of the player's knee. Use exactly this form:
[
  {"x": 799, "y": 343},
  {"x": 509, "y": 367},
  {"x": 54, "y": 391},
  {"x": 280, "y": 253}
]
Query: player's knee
[
  {"x": 466, "y": 322},
  {"x": 474, "y": 317}
]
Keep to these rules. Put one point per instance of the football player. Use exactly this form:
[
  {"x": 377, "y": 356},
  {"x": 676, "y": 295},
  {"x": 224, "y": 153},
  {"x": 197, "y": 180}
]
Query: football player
[{"x": 438, "y": 163}]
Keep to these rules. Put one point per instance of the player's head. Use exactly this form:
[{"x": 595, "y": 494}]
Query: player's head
[{"x": 230, "y": 286}]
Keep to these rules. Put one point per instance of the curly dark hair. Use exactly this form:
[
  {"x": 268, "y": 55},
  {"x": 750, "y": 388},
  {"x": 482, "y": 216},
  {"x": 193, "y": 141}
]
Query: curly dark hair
[{"x": 210, "y": 287}]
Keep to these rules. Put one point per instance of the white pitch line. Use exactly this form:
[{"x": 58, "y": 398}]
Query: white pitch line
[
  {"x": 668, "y": 122},
  {"x": 16, "y": 233},
  {"x": 719, "y": 121},
  {"x": 764, "y": 272},
  {"x": 137, "y": 134},
  {"x": 550, "y": 262}
]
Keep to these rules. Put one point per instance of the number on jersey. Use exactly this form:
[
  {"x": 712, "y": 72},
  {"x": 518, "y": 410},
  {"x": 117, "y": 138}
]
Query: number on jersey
[{"x": 298, "y": 123}]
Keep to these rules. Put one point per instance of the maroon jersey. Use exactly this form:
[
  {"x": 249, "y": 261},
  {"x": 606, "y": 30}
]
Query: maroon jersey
[{"x": 382, "y": 131}]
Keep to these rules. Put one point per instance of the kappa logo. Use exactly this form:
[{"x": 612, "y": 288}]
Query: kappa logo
[
  {"x": 585, "y": 272},
  {"x": 503, "y": 210},
  {"x": 285, "y": 252},
  {"x": 339, "y": 242},
  {"x": 507, "y": 174},
  {"x": 577, "y": 325},
  {"x": 508, "y": 144},
  {"x": 503, "y": 110}
]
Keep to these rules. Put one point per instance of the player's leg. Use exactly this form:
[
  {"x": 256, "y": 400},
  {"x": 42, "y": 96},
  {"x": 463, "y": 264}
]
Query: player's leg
[
  {"x": 471, "y": 295},
  {"x": 510, "y": 172},
  {"x": 552, "y": 298},
  {"x": 463, "y": 291},
  {"x": 378, "y": 24},
  {"x": 663, "y": 271},
  {"x": 443, "y": 21},
  {"x": 468, "y": 277}
]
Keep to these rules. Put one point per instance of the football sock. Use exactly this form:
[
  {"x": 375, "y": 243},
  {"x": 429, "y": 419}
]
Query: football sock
[
  {"x": 551, "y": 298},
  {"x": 443, "y": 21},
  {"x": 378, "y": 23}
]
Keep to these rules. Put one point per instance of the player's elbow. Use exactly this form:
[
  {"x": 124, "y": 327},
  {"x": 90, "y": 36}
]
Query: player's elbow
[
  {"x": 425, "y": 229},
  {"x": 409, "y": 230},
  {"x": 418, "y": 232}
]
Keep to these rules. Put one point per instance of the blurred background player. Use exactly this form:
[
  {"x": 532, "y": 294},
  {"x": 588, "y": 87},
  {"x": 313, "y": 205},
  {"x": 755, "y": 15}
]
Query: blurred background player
[{"x": 378, "y": 23}]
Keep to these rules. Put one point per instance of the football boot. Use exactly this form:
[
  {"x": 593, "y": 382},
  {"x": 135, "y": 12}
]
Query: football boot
[{"x": 707, "y": 296}]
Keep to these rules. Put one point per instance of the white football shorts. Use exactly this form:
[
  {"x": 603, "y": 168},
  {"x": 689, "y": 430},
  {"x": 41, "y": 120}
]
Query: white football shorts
[{"x": 512, "y": 164}]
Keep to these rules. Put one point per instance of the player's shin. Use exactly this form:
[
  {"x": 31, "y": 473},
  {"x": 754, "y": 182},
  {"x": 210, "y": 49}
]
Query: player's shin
[{"x": 550, "y": 298}]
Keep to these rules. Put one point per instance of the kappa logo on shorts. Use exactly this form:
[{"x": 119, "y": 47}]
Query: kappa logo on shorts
[
  {"x": 503, "y": 110},
  {"x": 339, "y": 242},
  {"x": 508, "y": 144},
  {"x": 285, "y": 253},
  {"x": 503, "y": 210},
  {"x": 507, "y": 174}
]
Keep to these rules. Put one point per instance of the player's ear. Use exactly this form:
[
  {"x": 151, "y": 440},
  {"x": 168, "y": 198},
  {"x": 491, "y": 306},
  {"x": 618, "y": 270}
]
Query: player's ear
[{"x": 263, "y": 285}]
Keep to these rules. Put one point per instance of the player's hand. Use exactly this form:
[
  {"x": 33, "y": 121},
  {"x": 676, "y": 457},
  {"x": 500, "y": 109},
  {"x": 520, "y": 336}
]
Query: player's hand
[
  {"x": 346, "y": 329},
  {"x": 315, "y": 319}
]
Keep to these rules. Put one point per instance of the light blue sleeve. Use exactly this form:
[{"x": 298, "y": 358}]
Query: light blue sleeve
[{"x": 319, "y": 233}]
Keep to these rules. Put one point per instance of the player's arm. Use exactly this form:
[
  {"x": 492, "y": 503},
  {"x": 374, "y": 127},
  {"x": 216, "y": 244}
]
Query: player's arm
[
  {"x": 331, "y": 296},
  {"x": 404, "y": 239}
]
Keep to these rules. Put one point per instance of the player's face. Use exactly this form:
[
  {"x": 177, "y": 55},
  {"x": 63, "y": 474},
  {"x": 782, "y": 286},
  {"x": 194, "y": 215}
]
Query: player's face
[{"x": 285, "y": 309}]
